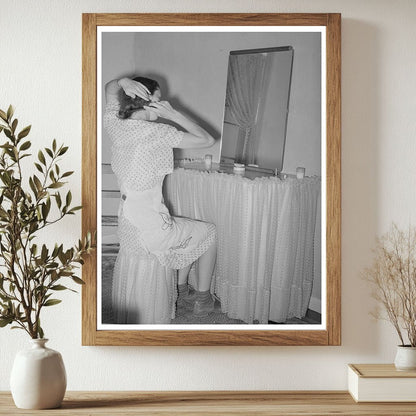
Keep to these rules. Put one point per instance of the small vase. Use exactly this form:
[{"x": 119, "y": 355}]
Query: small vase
[
  {"x": 38, "y": 377},
  {"x": 405, "y": 358}
]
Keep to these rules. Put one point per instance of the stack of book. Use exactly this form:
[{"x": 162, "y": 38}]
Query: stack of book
[{"x": 381, "y": 383}]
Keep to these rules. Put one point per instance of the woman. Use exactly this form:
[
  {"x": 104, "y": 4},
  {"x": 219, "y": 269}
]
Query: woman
[{"x": 141, "y": 157}]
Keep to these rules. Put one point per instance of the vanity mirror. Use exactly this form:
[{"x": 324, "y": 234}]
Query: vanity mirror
[{"x": 256, "y": 107}]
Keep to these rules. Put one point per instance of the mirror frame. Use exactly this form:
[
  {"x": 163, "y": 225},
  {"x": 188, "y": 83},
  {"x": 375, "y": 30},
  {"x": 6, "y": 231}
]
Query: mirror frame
[
  {"x": 241, "y": 52},
  {"x": 329, "y": 336}
]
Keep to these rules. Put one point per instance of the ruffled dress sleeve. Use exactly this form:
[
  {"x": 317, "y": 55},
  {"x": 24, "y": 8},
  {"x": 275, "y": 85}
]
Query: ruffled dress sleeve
[{"x": 122, "y": 132}]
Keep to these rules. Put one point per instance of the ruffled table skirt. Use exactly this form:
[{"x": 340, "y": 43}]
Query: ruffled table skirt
[{"x": 265, "y": 235}]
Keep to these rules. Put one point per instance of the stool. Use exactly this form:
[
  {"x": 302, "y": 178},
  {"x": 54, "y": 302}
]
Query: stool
[{"x": 144, "y": 291}]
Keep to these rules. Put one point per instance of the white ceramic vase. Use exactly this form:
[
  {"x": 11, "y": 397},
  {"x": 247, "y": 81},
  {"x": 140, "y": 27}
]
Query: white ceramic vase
[
  {"x": 38, "y": 377},
  {"x": 405, "y": 358}
]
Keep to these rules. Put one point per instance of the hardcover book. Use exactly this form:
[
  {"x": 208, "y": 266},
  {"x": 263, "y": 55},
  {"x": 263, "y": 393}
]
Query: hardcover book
[{"x": 381, "y": 383}]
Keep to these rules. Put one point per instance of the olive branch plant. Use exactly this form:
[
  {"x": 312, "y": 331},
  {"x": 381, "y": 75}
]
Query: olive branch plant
[
  {"x": 393, "y": 278},
  {"x": 30, "y": 274}
]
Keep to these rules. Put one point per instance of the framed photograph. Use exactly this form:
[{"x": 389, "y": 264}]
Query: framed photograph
[{"x": 211, "y": 172}]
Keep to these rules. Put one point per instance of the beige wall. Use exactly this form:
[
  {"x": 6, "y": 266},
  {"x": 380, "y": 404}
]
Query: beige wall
[{"x": 41, "y": 76}]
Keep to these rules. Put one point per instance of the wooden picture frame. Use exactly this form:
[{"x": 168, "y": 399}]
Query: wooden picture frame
[{"x": 331, "y": 334}]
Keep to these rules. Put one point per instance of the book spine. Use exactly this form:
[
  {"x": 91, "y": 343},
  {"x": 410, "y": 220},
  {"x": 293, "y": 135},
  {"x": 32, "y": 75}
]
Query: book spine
[{"x": 353, "y": 381}]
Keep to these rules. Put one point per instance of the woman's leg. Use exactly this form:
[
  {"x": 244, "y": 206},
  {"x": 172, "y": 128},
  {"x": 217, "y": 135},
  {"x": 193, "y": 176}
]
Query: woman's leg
[
  {"x": 201, "y": 300},
  {"x": 204, "y": 302},
  {"x": 185, "y": 300},
  {"x": 205, "y": 269},
  {"x": 183, "y": 275}
]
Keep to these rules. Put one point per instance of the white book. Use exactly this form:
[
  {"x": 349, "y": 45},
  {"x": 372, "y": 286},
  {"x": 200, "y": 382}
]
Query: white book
[{"x": 381, "y": 383}]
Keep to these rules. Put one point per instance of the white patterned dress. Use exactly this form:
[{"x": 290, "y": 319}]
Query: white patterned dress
[{"x": 142, "y": 155}]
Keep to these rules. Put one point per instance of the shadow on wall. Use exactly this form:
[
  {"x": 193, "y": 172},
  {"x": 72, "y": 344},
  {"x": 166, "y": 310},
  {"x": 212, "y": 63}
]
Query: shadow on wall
[{"x": 360, "y": 179}]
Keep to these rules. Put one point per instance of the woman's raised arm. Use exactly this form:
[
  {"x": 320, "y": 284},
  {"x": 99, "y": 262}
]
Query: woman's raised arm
[
  {"x": 195, "y": 137},
  {"x": 129, "y": 86}
]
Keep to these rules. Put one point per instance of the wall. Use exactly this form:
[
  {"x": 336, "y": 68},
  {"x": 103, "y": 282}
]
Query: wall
[
  {"x": 41, "y": 76},
  {"x": 117, "y": 61},
  {"x": 192, "y": 71}
]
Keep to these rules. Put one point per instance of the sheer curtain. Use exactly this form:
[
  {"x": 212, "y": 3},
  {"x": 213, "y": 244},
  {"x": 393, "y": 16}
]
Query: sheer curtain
[{"x": 247, "y": 76}]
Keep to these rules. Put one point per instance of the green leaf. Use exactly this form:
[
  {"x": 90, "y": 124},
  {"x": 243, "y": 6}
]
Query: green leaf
[
  {"x": 14, "y": 125},
  {"x": 24, "y": 132},
  {"x": 5, "y": 321},
  {"x": 4, "y": 298},
  {"x": 68, "y": 199},
  {"x": 58, "y": 199},
  {"x": 55, "y": 251},
  {"x": 33, "y": 227},
  {"x": 3, "y": 115},
  {"x": 54, "y": 145},
  {"x": 59, "y": 287},
  {"x": 67, "y": 174},
  {"x": 51, "y": 302},
  {"x": 44, "y": 253},
  {"x": 33, "y": 187},
  {"x": 63, "y": 151},
  {"x": 37, "y": 182},
  {"x": 8, "y": 133},
  {"x": 40, "y": 332},
  {"x": 6, "y": 145},
  {"x": 45, "y": 211},
  {"x": 41, "y": 157},
  {"x": 56, "y": 185},
  {"x": 72, "y": 210},
  {"x": 49, "y": 152},
  {"x": 25, "y": 145},
  {"x": 10, "y": 112},
  {"x": 39, "y": 167},
  {"x": 62, "y": 257},
  {"x": 76, "y": 279}
]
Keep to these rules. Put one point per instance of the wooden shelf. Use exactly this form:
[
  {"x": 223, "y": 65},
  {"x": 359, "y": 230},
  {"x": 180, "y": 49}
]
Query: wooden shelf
[{"x": 212, "y": 403}]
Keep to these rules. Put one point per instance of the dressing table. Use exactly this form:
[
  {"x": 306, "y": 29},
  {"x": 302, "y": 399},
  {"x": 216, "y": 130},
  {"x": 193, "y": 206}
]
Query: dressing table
[{"x": 265, "y": 236}]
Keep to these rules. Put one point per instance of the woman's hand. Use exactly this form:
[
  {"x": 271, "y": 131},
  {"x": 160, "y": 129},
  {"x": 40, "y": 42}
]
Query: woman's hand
[
  {"x": 162, "y": 109},
  {"x": 133, "y": 88}
]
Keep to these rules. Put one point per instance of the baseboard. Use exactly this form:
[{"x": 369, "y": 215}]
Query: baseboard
[{"x": 315, "y": 304}]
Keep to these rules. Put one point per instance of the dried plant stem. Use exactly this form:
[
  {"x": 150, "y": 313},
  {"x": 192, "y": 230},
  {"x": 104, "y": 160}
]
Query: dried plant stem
[{"x": 393, "y": 276}]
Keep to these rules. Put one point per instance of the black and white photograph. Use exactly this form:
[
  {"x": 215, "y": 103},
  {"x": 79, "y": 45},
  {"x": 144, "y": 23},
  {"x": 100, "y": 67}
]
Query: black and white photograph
[{"x": 211, "y": 175}]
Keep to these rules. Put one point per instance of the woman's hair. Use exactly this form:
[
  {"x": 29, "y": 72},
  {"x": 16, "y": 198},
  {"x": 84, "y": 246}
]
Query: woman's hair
[{"x": 129, "y": 105}]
